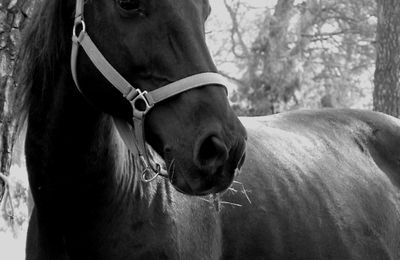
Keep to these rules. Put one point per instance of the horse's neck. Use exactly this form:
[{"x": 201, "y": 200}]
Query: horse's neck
[{"x": 79, "y": 168}]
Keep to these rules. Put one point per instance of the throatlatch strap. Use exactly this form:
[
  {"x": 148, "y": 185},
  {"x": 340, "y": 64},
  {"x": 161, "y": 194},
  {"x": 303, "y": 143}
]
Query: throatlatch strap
[
  {"x": 75, "y": 44},
  {"x": 79, "y": 8}
]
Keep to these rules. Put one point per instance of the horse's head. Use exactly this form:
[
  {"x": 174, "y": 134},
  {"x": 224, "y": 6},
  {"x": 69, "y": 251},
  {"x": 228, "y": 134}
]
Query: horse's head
[{"x": 152, "y": 43}]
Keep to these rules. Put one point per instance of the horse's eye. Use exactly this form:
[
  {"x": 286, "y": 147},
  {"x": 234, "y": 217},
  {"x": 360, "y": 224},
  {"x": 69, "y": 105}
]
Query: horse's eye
[{"x": 129, "y": 5}]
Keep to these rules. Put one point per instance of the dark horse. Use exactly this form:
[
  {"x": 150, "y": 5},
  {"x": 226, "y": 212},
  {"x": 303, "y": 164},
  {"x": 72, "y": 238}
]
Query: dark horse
[
  {"x": 315, "y": 185},
  {"x": 90, "y": 202}
]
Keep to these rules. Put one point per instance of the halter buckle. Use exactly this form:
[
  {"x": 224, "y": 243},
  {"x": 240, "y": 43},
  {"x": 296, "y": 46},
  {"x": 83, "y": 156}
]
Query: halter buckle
[{"x": 141, "y": 102}]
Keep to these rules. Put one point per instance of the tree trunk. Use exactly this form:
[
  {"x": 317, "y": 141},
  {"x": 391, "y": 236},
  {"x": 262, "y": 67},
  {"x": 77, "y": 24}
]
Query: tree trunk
[
  {"x": 13, "y": 14},
  {"x": 387, "y": 73}
]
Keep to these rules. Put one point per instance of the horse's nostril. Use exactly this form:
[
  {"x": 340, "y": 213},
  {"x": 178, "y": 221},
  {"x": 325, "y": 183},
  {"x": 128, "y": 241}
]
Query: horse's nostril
[
  {"x": 167, "y": 150},
  {"x": 211, "y": 153}
]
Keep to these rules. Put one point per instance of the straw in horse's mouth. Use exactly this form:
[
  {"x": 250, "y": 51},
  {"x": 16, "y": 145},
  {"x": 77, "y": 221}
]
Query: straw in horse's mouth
[
  {"x": 243, "y": 190},
  {"x": 216, "y": 201}
]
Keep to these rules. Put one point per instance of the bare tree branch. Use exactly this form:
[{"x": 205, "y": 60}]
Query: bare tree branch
[{"x": 235, "y": 31}]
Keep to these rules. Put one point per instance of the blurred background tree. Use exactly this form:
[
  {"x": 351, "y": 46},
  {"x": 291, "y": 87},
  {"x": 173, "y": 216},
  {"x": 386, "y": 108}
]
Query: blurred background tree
[
  {"x": 296, "y": 54},
  {"x": 387, "y": 73},
  {"x": 13, "y": 17}
]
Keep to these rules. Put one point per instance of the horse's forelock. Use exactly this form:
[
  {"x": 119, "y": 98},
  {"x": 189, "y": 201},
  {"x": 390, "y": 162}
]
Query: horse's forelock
[{"x": 44, "y": 51}]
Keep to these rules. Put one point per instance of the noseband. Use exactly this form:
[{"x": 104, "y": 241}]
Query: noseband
[{"x": 133, "y": 136}]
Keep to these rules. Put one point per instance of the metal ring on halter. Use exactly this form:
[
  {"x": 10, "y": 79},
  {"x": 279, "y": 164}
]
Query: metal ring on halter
[
  {"x": 149, "y": 170},
  {"x": 135, "y": 96},
  {"x": 81, "y": 23}
]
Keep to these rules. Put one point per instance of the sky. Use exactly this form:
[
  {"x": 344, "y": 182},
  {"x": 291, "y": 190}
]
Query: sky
[{"x": 218, "y": 5}]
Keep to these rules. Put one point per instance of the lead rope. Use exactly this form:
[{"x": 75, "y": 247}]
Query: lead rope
[{"x": 6, "y": 201}]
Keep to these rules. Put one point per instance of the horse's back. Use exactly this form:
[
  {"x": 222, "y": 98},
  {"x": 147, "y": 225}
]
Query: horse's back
[{"x": 318, "y": 185}]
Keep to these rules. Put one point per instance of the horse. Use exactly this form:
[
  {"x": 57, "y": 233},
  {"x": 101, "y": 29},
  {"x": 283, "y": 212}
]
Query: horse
[
  {"x": 91, "y": 148},
  {"x": 314, "y": 184}
]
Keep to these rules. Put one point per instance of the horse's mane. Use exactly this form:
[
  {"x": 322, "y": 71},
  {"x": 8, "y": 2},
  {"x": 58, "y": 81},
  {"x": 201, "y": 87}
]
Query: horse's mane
[{"x": 43, "y": 52}]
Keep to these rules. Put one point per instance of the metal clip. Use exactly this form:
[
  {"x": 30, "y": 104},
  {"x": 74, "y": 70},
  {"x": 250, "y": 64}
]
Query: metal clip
[
  {"x": 152, "y": 178},
  {"x": 148, "y": 170}
]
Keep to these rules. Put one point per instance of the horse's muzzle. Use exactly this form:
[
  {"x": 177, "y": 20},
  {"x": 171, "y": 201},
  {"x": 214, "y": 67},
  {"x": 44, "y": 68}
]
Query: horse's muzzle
[{"x": 214, "y": 167}]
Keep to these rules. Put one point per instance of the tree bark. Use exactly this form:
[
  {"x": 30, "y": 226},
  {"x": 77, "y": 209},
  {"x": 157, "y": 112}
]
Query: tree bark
[
  {"x": 387, "y": 72},
  {"x": 13, "y": 14}
]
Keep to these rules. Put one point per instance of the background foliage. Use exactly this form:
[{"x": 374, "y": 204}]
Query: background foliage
[{"x": 296, "y": 54}]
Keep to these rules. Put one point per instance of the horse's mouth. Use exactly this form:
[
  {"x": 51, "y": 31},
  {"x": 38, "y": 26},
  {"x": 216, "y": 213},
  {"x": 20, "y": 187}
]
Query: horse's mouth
[
  {"x": 201, "y": 187},
  {"x": 197, "y": 183}
]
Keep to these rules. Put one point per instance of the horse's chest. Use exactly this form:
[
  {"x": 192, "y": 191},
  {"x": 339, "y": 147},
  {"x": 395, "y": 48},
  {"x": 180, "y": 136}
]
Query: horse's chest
[{"x": 177, "y": 235}]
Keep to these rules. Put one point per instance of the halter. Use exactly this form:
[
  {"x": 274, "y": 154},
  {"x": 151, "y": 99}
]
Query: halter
[{"x": 133, "y": 136}]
